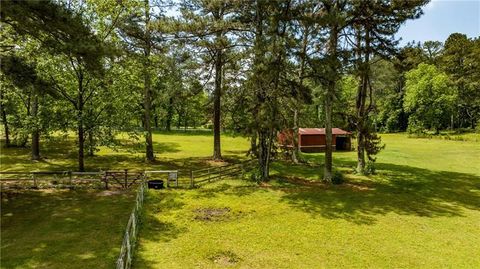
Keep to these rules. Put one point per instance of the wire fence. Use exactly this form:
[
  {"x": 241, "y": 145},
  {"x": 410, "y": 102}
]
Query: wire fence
[
  {"x": 129, "y": 242},
  {"x": 70, "y": 179}
]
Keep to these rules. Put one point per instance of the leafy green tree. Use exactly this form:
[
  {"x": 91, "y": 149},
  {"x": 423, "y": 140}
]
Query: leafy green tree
[
  {"x": 24, "y": 77},
  {"x": 433, "y": 51},
  {"x": 208, "y": 24},
  {"x": 326, "y": 69},
  {"x": 460, "y": 61},
  {"x": 374, "y": 24},
  {"x": 142, "y": 37},
  {"x": 430, "y": 98},
  {"x": 62, "y": 31},
  {"x": 269, "y": 81}
]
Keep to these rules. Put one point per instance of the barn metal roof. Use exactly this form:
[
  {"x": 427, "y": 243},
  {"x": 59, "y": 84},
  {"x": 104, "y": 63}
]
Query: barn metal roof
[{"x": 321, "y": 131}]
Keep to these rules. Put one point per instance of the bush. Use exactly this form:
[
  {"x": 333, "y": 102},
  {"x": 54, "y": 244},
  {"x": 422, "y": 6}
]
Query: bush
[
  {"x": 337, "y": 178},
  {"x": 370, "y": 168}
]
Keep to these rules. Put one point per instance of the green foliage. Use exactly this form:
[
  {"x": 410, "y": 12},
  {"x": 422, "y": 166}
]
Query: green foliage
[
  {"x": 337, "y": 177},
  {"x": 460, "y": 60},
  {"x": 430, "y": 98},
  {"x": 370, "y": 168}
]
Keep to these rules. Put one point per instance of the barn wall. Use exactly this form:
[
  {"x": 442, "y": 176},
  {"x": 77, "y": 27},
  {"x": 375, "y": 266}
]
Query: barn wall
[
  {"x": 316, "y": 140},
  {"x": 312, "y": 140}
]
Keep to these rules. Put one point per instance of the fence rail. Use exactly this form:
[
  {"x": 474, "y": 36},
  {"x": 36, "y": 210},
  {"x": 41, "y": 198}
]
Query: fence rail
[
  {"x": 216, "y": 173},
  {"x": 129, "y": 242},
  {"x": 70, "y": 179}
]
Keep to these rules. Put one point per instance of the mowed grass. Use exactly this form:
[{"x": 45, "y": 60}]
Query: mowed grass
[
  {"x": 172, "y": 150},
  {"x": 62, "y": 229},
  {"x": 421, "y": 210}
]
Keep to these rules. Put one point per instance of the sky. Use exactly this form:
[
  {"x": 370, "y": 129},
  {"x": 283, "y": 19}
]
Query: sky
[{"x": 440, "y": 19}]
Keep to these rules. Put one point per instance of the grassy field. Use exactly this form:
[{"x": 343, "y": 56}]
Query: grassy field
[
  {"x": 62, "y": 229},
  {"x": 421, "y": 209},
  {"x": 177, "y": 150}
]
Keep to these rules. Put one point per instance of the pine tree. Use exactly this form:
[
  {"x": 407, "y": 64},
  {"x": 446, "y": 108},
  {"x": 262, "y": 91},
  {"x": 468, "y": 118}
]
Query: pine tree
[{"x": 373, "y": 24}]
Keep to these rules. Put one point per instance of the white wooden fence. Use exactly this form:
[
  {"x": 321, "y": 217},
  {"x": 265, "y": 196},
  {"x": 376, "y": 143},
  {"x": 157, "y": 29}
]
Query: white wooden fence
[{"x": 124, "y": 260}]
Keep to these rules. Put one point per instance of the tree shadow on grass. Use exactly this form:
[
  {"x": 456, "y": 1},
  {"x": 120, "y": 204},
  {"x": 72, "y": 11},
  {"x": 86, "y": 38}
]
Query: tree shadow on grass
[
  {"x": 226, "y": 188},
  {"x": 50, "y": 229},
  {"x": 399, "y": 189}
]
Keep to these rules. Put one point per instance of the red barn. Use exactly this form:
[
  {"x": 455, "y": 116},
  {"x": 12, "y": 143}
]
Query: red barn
[{"x": 314, "y": 140}]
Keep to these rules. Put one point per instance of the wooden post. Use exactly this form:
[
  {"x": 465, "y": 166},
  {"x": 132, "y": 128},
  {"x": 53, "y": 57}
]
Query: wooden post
[
  {"x": 70, "y": 179},
  {"x": 191, "y": 179},
  {"x": 126, "y": 178},
  {"x": 105, "y": 178},
  {"x": 34, "y": 180}
]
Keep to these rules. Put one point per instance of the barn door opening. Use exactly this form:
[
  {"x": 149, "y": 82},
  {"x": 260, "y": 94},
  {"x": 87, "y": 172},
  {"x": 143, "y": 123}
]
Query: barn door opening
[{"x": 342, "y": 143}]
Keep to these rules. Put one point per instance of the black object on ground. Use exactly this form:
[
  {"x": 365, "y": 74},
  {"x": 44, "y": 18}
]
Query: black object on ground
[{"x": 155, "y": 184}]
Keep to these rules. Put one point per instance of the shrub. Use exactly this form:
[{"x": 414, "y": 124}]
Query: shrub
[
  {"x": 370, "y": 168},
  {"x": 337, "y": 177}
]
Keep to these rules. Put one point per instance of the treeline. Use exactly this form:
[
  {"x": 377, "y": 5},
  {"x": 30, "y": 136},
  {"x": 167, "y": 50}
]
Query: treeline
[{"x": 255, "y": 67}]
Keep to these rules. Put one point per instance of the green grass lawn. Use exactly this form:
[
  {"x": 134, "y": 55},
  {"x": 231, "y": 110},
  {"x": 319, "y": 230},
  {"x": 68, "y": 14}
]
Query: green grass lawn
[
  {"x": 62, "y": 229},
  {"x": 421, "y": 209},
  {"x": 173, "y": 150}
]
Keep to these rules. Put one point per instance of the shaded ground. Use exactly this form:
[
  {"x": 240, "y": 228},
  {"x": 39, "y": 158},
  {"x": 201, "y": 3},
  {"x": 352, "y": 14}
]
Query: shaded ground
[{"x": 62, "y": 228}]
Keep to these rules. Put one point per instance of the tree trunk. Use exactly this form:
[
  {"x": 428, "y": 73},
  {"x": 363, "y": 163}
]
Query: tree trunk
[
  {"x": 185, "y": 122},
  {"x": 147, "y": 92},
  {"x": 5, "y": 122},
  {"x": 327, "y": 175},
  {"x": 362, "y": 114},
  {"x": 91, "y": 145},
  {"x": 264, "y": 148},
  {"x": 253, "y": 145},
  {"x": 168, "y": 126},
  {"x": 217, "y": 154},
  {"x": 81, "y": 133},
  {"x": 360, "y": 152},
  {"x": 332, "y": 47},
  {"x": 36, "y": 131},
  {"x": 296, "y": 151}
]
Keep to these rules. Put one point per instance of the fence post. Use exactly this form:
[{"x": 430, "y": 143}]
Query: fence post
[
  {"x": 126, "y": 178},
  {"x": 34, "y": 180},
  {"x": 70, "y": 178},
  {"x": 191, "y": 179},
  {"x": 105, "y": 178}
]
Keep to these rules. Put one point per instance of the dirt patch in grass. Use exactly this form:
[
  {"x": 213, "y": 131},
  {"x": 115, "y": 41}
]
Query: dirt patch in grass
[
  {"x": 225, "y": 258},
  {"x": 110, "y": 193},
  {"x": 216, "y": 214},
  {"x": 216, "y": 163},
  {"x": 212, "y": 214}
]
